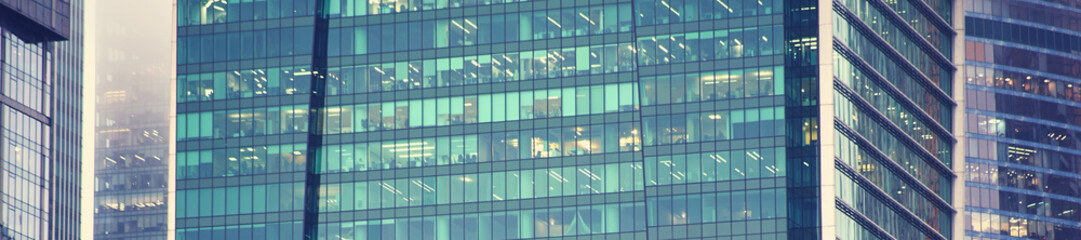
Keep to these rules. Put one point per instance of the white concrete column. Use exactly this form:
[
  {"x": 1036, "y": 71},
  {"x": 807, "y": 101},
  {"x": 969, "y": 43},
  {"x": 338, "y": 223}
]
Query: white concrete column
[
  {"x": 958, "y": 162},
  {"x": 826, "y": 136}
]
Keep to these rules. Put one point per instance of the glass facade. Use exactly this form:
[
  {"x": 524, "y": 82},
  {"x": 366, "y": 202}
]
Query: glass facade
[
  {"x": 509, "y": 119},
  {"x": 40, "y": 119},
  {"x": 132, "y": 133},
  {"x": 892, "y": 91},
  {"x": 1022, "y": 119}
]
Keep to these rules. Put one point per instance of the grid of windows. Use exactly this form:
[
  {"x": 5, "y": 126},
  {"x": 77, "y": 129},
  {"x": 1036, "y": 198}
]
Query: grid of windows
[
  {"x": 25, "y": 145},
  {"x": 40, "y": 119},
  {"x": 429, "y": 119},
  {"x": 1022, "y": 120},
  {"x": 247, "y": 120},
  {"x": 25, "y": 74},
  {"x": 892, "y": 109}
]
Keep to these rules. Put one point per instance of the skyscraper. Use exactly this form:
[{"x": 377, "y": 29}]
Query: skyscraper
[
  {"x": 134, "y": 71},
  {"x": 40, "y": 118},
  {"x": 1023, "y": 82},
  {"x": 501, "y": 119}
]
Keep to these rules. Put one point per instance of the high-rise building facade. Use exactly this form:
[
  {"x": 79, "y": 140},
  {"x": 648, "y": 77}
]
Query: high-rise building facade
[
  {"x": 40, "y": 118},
  {"x": 1023, "y": 82},
  {"x": 509, "y": 119},
  {"x": 133, "y": 73}
]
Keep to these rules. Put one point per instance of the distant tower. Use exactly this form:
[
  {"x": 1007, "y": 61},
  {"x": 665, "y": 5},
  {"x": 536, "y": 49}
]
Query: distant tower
[{"x": 132, "y": 134}]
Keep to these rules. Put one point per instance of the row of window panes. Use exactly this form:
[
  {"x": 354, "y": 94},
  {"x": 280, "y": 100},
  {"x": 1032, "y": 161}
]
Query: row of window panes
[
  {"x": 474, "y": 30},
  {"x": 350, "y": 8},
  {"x": 1021, "y": 82},
  {"x": 25, "y": 78},
  {"x": 480, "y": 69},
  {"x": 150, "y": 201},
  {"x": 939, "y": 38},
  {"x": 113, "y": 183},
  {"x": 1024, "y": 155},
  {"x": 1018, "y": 56},
  {"x": 487, "y": 147},
  {"x": 875, "y": 92},
  {"x": 149, "y": 157},
  {"x": 918, "y": 202},
  {"x": 481, "y": 187},
  {"x": 1025, "y": 201},
  {"x": 246, "y": 83},
  {"x": 847, "y": 228},
  {"x": 1035, "y": 108},
  {"x": 710, "y": 45},
  {"x": 519, "y": 224},
  {"x": 483, "y": 108},
  {"x": 1019, "y": 227},
  {"x": 944, "y": 8},
  {"x": 890, "y": 220},
  {"x": 268, "y": 198},
  {"x": 893, "y": 143},
  {"x": 241, "y": 161},
  {"x": 242, "y": 122},
  {"x": 244, "y": 45},
  {"x": 717, "y": 207},
  {"x": 651, "y": 12},
  {"x": 864, "y": 161},
  {"x": 1017, "y": 177},
  {"x": 893, "y": 35},
  {"x": 937, "y": 35},
  {"x": 269, "y": 231},
  {"x": 1026, "y": 10},
  {"x": 709, "y": 86},
  {"x": 150, "y": 225},
  {"x": 881, "y": 60},
  {"x": 713, "y": 126},
  {"x": 198, "y": 12},
  {"x": 1030, "y": 131},
  {"x": 856, "y": 117},
  {"x": 715, "y": 166},
  {"x": 1028, "y": 34}
]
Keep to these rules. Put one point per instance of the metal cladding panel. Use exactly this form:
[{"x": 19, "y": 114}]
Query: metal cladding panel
[{"x": 39, "y": 20}]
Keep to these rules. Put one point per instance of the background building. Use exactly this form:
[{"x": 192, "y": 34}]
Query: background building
[
  {"x": 133, "y": 74},
  {"x": 462, "y": 119},
  {"x": 1023, "y": 79},
  {"x": 40, "y": 118}
]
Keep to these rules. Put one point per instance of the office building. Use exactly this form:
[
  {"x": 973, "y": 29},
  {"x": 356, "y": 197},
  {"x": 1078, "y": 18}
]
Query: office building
[
  {"x": 1023, "y": 82},
  {"x": 132, "y": 97},
  {"x": 509, "y": 119},
  {"x": 40, "y": 118}
]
